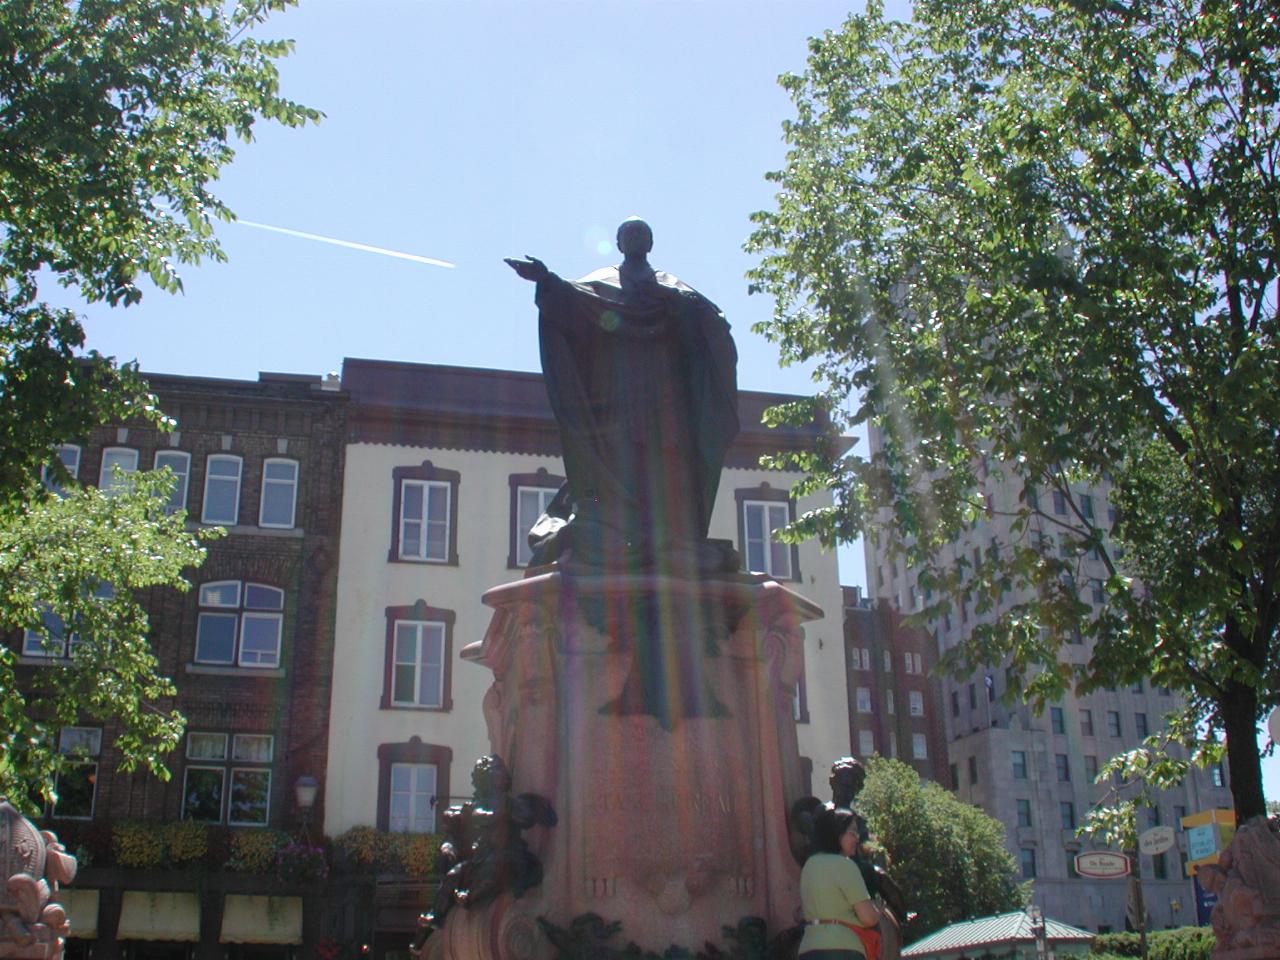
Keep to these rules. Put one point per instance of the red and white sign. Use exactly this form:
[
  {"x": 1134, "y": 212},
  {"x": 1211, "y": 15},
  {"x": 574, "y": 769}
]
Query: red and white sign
[
  {"x": 1102, "y": 865},
  {"x": 1156, "y": 840}
]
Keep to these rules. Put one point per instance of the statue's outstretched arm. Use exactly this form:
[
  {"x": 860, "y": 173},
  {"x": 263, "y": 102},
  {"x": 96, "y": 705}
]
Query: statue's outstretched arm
[{"x": 530, "y": 268}]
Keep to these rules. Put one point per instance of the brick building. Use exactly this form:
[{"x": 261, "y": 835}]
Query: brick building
[
  {"x": 250, "y": 650},
  {"x": 895, "y": 697}
]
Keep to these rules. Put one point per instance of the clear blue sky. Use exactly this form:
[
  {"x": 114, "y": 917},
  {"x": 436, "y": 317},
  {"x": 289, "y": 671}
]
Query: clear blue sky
[{"x": 470, "y": 130}]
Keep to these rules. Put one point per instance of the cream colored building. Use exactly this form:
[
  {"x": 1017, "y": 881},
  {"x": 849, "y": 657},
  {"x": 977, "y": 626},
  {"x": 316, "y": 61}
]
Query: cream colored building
[{"x": 445, "y": 469}]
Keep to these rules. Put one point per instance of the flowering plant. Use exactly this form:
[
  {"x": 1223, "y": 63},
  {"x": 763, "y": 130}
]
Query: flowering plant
[{"x": 301, "y": 862}]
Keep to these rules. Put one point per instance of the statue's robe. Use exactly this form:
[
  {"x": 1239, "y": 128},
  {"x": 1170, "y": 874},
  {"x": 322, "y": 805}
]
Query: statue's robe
[{"x": 642, "y": 380}]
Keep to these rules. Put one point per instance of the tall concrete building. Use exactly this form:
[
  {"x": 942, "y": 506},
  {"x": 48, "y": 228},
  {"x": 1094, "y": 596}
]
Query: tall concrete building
[{"x": 1035, "y": 773}]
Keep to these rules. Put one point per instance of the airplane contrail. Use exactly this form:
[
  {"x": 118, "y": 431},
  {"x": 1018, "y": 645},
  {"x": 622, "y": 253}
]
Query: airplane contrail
[{"x": 348, "y": 243}]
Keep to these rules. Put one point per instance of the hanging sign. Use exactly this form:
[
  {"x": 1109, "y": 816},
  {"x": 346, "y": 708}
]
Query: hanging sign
[
  {"x": 1102, "y": 865},
  {"x": 1156, "y": 840}
]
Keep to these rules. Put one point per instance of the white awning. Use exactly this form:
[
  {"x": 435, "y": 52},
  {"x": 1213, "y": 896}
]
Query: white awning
[
  {"x": 82, "y": 911},
  {"x": 256, "y": 919},
  {"x": 146, "y": 915}
]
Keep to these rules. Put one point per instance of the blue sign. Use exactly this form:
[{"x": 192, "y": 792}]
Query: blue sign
[
  {"x": 1202, "y": 841},
  {"x": 1204, "y": 903}
]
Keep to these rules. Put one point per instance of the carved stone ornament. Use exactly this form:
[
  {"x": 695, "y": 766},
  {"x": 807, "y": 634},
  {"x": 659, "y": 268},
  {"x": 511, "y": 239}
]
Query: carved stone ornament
[
  {"x": 1246, "y": 878},
  {"x": 34, "y": 865}
]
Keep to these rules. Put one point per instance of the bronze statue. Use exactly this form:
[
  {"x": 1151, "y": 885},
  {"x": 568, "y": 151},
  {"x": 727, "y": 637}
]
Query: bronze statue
[{"x": 641, "y": 374}]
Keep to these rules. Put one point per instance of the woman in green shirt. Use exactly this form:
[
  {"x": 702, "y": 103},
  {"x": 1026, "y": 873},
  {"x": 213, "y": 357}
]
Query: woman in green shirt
[{"x": 833, "y": 894}]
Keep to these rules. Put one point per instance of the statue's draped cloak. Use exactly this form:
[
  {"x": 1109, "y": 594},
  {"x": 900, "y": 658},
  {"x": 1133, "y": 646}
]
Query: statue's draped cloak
[{"x": 644, "y": 390}]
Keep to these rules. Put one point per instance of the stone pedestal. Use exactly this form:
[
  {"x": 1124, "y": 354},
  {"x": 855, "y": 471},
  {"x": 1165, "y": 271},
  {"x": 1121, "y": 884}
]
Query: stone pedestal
[
  {"x": 657, "y": 716},
  {"x": 1246, "y": 878}
]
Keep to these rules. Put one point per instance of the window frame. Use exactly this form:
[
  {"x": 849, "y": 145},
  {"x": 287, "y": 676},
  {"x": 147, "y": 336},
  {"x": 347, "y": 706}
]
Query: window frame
[
  {"x": 73, "y": 472},
  {"x": 919, "y": 746},
  {"x": 429, "y": 474},
  {"x": 412, "y": 752},
  {"x": 77, "y": 761},
  {"x": 210, "y": 478},
  {"x": 915, "y": 703},
  {"x": 227, "y": 766},
  {"x": 862, "y": 699},
  {"x": 543, "y": 480},
  {"x": 1018, "y": 762},
  {"x": 240, "y": 613},
  {"x": 418, "y": 612},
  {"x": 766, "y": 496},
  {"x": 182, "y": 487},
  {"x": 105, "y": 476},
  {"x": 293, "y": 498}
]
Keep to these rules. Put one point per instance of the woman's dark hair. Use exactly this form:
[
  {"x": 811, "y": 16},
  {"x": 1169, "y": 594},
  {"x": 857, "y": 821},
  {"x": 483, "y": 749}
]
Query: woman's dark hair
[{"x": 828, "y": 827}]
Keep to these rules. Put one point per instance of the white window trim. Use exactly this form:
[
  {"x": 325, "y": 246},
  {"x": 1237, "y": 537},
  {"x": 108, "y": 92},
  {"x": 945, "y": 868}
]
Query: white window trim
[
  {"x": 74, "y": 471},
  {"x": 391, "y": 794},
  {"x": 208, "y": 477},
  {"x": 862, "y": 700},
  {"x": 417, "y": 663},
  {"x": 766, "y": 551},
  {"x": 229, "y": 785},
  {"x": 182, "y": 486},
  {"x": 524, "y": 553},
  {"x": 239, "y": 612},
  {"x": 915, "y": 703},
  {"x": 423, "y": 539},
  {"x": 104, "y": 472},
  {"x": 293, "y": 499}
]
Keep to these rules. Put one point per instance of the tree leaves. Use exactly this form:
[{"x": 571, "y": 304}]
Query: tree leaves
[{"x": 1044, "y": 240}]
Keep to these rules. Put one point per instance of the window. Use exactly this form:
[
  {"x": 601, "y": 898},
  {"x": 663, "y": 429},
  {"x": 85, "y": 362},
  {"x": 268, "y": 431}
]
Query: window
[
  {"x": 279, "y": 493},
  {"x": 912, "y": 663},
  {"x": 413, "y": 783},
  {"x": 1027, "y": 862},
  {"x": 53, "y": 640},
  {"x": 915, "y": 703},
  {"x": 973, "y": 770},
  {"x": 1159, "y": 867},
  {"x": 424, "y": 522},
  {"x": 531, "y": 494},
  {"x": 1057, "y": 721},
  {"x": 239, "y": 624},
  {"x": 77, "y": 781},
  {"x": 761, "y": 549},
  {"x": 1137, "y": 687},
  {"x": 893, "y": 745},
  {"x": 973, "y": 697},
  {"x": 955, "y": 703},
  {"x": 1067, "y": 814},
  {"x": 1019, "y": 759},
  {"x": 888, "y": 701},
  {"x": 862, "y": 700},
  {"x": 1062, "y": 764},
  {"x": 919, "y": 747},
  {"x": 1217, "y": 775},
  {"x": 1024, "y": 812},
  {"x": 1090, "y": 767},
  {"x": 1095, "y": 586},
  {"x": 866, "y": 743},
  {"x": 1113, "y": 723},
  {"x": 221, "y": 490},
  {"x": 1179, "y": 812},
  {"x": 1140, "y": 724},
  {"x": 179, "y": 464},
  {"x": 1086, "y": 723},
  {"x": 69, "y": 456},
  {"x": 955, "y": 776},
  {"x": 1059, "y": 503},
  {"x": 122, "y": 458},
  {"x": 1086, "y": 506},
  {"x": 210, "y": 770},
  {"x": 888, "y": 662},
  {"x": 419, "y": 647},
  {"x": 866, "y": 659}
]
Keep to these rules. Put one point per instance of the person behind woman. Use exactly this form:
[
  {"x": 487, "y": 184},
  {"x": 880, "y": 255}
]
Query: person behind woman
[{"x": 833, "y": 895}]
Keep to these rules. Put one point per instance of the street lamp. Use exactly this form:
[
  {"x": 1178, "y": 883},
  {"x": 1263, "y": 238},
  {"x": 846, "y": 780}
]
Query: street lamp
[{"x": 304, "y": 792}]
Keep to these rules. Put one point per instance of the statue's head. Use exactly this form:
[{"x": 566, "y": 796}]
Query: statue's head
[
  {"x": 634, "y": 236},
  {"x": 847, "y": 778},
  {"x": 489, "y": 777}
]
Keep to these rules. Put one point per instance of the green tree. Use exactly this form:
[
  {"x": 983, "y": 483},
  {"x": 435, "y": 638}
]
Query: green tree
[
  {"x": 1046, "y": 237},
  {"x": 947, "y": 856},
  {"x": 115, "y": 118},
  {"x": 69, "y": 571}
]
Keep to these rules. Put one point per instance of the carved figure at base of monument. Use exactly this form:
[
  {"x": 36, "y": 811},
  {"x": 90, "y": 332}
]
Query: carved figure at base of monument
[
  {"x": 33, "y": 865},
  {"x": 1246, "y": 878}
]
